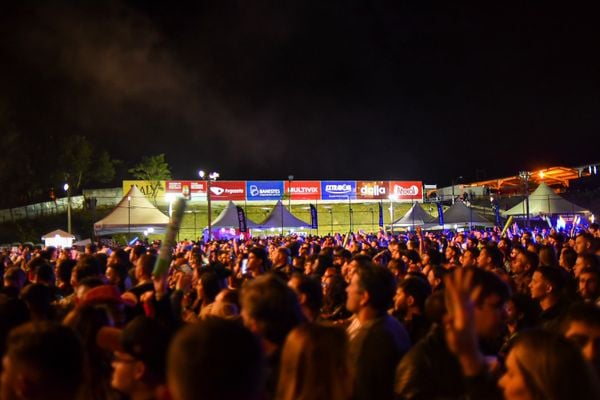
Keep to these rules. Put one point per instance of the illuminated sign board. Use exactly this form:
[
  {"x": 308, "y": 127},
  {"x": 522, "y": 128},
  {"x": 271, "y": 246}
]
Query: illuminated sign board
[
  {"x": 303, "y": 190},
  {"x": 369, "y": 190},
  {"x": 228, "y": 190},
  {"x": 264, "y": 190},
  {"x": 338, "y": 190},
  {"x": 406, "y": 190}
]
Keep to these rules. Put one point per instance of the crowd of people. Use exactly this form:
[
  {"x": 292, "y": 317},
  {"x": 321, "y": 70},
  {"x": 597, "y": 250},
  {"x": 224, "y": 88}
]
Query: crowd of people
[{"x": 418, "y": 315}]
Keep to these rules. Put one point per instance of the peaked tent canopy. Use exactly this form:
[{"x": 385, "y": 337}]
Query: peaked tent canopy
[
  {"x": 416, "y": 216},
  {"x": 135, "y": 215},
  {"x": 229, "y": 218},
  {"x": 544, "y": 200},
  {"x": 59, "y": 233},
  {"x": 459, "y": 215},
  {"x": 281, "y": 217}
]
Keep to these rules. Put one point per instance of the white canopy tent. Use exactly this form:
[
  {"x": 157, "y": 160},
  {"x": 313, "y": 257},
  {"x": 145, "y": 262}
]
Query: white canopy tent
[
  {"x": 134, "y": 213},
  {"x": 544, "y": 201}
]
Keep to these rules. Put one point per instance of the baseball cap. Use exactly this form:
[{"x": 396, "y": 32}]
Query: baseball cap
[{"x": 143, "y": 338}]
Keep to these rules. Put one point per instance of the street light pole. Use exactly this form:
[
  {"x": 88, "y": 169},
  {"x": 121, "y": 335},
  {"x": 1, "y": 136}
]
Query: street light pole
[
  {"x": 210, "y": 177},
  {"x": 525, "y": 175},
  {"x": 67, "y": 189},
  {"x": 290, "y": 179},
  {"x": 128, "y": 218},
  {"x": 454, "y": 180}
]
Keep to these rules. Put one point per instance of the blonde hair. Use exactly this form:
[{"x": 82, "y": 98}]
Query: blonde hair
[{"x": 314, "y": 364}]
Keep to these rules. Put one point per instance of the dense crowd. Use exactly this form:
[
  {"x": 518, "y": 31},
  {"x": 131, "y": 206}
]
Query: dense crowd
[{"x": 479, "y": 314}]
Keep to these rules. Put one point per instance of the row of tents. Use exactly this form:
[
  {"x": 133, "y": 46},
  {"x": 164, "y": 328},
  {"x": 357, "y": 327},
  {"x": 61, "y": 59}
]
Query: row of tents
[
  {"x": 542, "y": 202},
  {"x": 135, "y": 213}
]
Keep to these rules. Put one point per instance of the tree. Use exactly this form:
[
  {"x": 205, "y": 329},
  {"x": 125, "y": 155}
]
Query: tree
[
  {"x": 79, "y": 165},
  {"x": 153, "y": 169}
]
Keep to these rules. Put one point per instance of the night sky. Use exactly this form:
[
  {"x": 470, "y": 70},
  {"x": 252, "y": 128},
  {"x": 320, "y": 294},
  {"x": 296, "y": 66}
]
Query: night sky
[{"x": 318, "y": 89}]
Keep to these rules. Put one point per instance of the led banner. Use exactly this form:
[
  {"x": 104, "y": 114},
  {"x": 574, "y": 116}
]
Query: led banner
[
  {"x": 338, "y": 190},
  {"x": 151, "y": 189},
  {"x": 369, "y": 190},
  {"x": 406, "y": 190},
  {"x": 228, "y": 190},
  {"x": 264, "y": 190},
  {"x": 303, "y": 190}
]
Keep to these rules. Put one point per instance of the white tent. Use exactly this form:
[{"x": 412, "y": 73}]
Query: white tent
[
  {"x": 134, "y": 213},
  {"x": 58, "y": 238},
  {"x": 543, "y": 201}
]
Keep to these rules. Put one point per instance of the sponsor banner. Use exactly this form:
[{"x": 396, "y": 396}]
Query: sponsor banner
[
  {"x": 151, "y": 189},
  {"x": 369, "y": 190},
  {"x": 303, "y": 190},
  {"x": 406, "y": 190},
  {"x": 227, "y": 190},
  {"x": 338, "y": 190},
  {"x": 187, "y": 189},
  {"x": 264, "y": 190}
]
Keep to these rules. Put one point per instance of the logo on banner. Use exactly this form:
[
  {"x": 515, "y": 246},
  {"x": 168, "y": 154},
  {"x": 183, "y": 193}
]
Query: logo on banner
[
  {"x": 304, "y": 190},
  {"x": 338, "y": 189},
  {"x": 403, "y": 191},
  {"x": 332, "y": 190},
  {"x": 217, "y": 191},
  {"x": 374, "y": 191}
]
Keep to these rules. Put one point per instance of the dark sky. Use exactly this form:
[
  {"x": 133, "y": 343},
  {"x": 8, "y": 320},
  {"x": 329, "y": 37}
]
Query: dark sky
[{"x": 318, "y": 89}]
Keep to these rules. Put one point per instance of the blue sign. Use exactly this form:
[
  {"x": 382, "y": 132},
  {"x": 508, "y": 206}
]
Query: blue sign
[
  {"x": 264, "y": 190},
  {"x": 338, "y": 190}
]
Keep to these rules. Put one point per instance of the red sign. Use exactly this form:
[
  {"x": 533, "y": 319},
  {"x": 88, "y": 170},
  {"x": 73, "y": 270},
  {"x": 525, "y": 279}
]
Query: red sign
[
  {"x": 228, "y": 190},
  {"x": 406, "y": 190},
  {"x": 303, "y": 190},
  {"x": 369, "y": 190},
  {"x": 193, "y": 187}
]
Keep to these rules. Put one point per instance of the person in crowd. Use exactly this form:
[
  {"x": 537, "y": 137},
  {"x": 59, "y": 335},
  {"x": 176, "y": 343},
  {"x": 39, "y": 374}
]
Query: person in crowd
[
  {"x": 270, "y": 309},
  {"x": 258, "y": 262},
  {"x": 215, "y": 359},
  {"x": 314, "y": 364},
  {"x": 567, "y": 259},
  {"x": 431, "y": 369},
  {"x": 334, "y": 299},
  {"x": 281, "y": 263},
  {"x": 589, "y": 285},
  {"x": 377, "y": 340},
  {"x": 310, "y": 295},
  {"x": 547, "y": 285},
  {"x": 584, "y": 243},
  {"x": 409, "y": 306},
  {"x": 139, "y": 356},
  {"x": 469, "y": 257},
  {"x": 581, "y": 325},
  {"x": 522, "y": 267},
  {"x": 14, "y": 281},
  {"x": 521, "y": 315},
  {"x": 87, "y": 320},
  {"x": 542, "y": 365},
  {"x": 43, "y": 361},
  {"x": 64, "y": 269}
]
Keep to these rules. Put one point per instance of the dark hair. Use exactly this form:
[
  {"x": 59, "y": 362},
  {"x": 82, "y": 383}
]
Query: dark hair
[
  {"x": 52, "y": 352},
  {"x": 495, "y": 255},
  {"x": 64, "y": 269},
  {"x": 418, "y": 288},
  {"x": 585, "y": 312},
  {"x": 216, "y": 357},
  {"x": 555, "y": 276},
  {"x": 273, "y": 305},
  {"x": 490, "y": 284},
  {"x": 312, "y": 289},
  {"x": 147, "y": 262},
  {"x": 570, "y": 256},
  {"x": 379, "y": 282},
  {"x": 261, "y": 254},
  {"x": 210, "y": 285}
]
